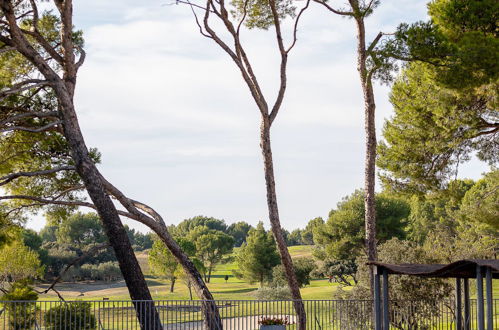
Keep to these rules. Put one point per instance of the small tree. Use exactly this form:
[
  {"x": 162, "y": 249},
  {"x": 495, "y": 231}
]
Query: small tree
[
  {"x": 18, "y": 262},
  {"x": 211, "y": 247},
  {"x": 164, "y": 263},
  {"x": 21, "y": 316},
  {"x": 303, "y": 269},
  {"x": 257, "y": 256},
  {"x": 72, "y": 315}
]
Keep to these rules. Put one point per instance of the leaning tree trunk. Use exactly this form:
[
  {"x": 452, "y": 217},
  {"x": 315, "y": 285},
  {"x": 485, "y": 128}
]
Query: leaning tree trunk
[
  {"x": 370, "y": 158},
  {"x": 212, "y": 320},
  {"x": 276, "y": 224},
  {"x": 64, "y": 89},
  {"x": 118, "y": 238}
]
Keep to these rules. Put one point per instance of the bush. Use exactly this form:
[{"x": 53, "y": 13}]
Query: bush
[
  {"x": 73, "y": 315},
  {"x": 277, "y": 293},
  {"x": 21, "y": 315},
  {"x": 302, "y": 266}
]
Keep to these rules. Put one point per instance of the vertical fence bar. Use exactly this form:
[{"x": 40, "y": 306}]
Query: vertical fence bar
[
  {"x": 377, "y": 299},
  {"x": 479, "y": 297},
  {"x": 458, "y": 304},
  {"x": 488, "y": 292},
  {"x": 386, "y": 317},
  {"x": 467, "y": 315}
]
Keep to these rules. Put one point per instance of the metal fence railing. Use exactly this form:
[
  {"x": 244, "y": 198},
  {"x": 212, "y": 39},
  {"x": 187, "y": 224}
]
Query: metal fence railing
[{"x": 235, "y": 314}]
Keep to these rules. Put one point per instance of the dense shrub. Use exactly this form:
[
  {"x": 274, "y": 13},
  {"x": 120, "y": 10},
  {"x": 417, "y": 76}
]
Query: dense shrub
[
  {"x": 277, "y": 293},
  {"x": 303, "y": 268},
  {"x": 72, "y": 315},
  {"x": 102, "y": 272},
  {"x": 21, "y": 315}
]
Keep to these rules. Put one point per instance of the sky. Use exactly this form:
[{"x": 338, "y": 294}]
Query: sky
[{"x": 177, "y": 127}]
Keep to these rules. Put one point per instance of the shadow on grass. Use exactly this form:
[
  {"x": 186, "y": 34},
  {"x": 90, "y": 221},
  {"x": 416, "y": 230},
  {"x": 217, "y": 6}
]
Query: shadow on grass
[
  {"x": 235, "y": 291},
  {"x": 154, "y": 282}
]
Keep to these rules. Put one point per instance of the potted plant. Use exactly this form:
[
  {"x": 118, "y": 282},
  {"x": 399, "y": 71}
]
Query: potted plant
[{"x": 273, "y": 323}]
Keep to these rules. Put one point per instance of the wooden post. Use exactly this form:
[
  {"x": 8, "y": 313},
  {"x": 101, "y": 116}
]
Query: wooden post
[
  {"x": 386, "y": 316},
  {"x": 377, "y": 300},
  {"x": 467, "y": 316},
  {"x": 459, "y": 323},
  {"x": 479, "y": 298},
  {"x": 488, "y": 287}
]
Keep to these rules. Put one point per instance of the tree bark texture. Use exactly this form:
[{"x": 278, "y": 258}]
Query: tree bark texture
[
  {"x": 370, "y": 140},
  {"x": 85, "y": 167},
  {"x": 276, "y": 224}
]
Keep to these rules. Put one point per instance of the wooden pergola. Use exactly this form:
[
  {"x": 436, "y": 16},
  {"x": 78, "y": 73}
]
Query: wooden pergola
[{"x": 461, "y": 270}]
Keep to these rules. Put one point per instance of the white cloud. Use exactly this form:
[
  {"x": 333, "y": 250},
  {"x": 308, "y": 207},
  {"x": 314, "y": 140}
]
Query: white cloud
[{"x": 178, "y": 128}]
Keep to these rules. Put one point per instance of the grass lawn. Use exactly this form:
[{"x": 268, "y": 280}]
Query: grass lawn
[{"x": 234, "y": 288}]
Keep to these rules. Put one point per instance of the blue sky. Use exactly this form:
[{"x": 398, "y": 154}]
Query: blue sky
[{"x": 178, "y": 129}]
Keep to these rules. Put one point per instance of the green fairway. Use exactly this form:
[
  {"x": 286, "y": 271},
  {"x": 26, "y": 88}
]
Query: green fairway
[{"x": 233, "y": 289}]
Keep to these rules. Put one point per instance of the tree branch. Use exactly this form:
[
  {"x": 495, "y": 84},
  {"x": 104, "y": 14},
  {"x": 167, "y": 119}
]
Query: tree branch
[
  {"x": 22, "y": 86},
  {"x": 31, "y": 130},
  {"x": 338, "y": 12},
  {"x": 93, "y": 250},
  {"x": 8, "y": 178},
  {"x": 38, "y": 114},
  {"x": 295, "y": 28}
]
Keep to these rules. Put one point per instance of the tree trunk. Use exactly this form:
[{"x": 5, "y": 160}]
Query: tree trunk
[
  {"x": 209, "y": 273},
  {"x": 212, "y": 320},
  {"x": 64, "y": 89},
  {"x": 189, "y": 286},
  {"x": 94, "y": 182},
  {"x": 370, "y": 143},
  {"x": 172, "y": 285},
  {"x": 118, "y": 238},
  {"x": 276, "y": 224}
]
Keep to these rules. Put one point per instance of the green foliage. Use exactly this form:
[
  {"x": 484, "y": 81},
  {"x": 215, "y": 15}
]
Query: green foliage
[
  {"x": 31, "y": 239},
  {"x": 480, "y": 204},
  {"x": 104, "y": 271},
  {"x": 71, "y": 315},
  {"x": 342, "y": 236},
  {"x": 22, "y": 151},
  {"x": 185, "y": 227},
  {"x": 436, "y": 210},
  {"x": 460, "y": 41},
  {"x": 403, "y": 288},
  {"x": 303, "y": 268},
  {"x": 162, "y": 261},
  {"x": 139, "y": 240},
  {"x": 274, "y": 293},
  {"x": 313, "y": 226},
  {"x": 257, "y": 256},
  {"x": 339, "y": 271},
  {"x": 434, "y": 129},
  {"x": 211, "y": 247},
  {"x": 258, "y": 13},
  {"x": 21, "y": 315},
  {"x": 81, "y": 229},
  {"x": 19, "y": 262},
  {"x": 48, "y": 233},
  {"x": 239, "y": 231},
  {"x": 294, "y": 238}
]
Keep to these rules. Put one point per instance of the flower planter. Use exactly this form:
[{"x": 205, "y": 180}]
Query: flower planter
[{"x": 272, "y": 327}]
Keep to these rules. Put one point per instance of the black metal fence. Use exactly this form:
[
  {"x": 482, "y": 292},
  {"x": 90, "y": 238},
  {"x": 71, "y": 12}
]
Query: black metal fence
[{"x": 235, "y": 314}]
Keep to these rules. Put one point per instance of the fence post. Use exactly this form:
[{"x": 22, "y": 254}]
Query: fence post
[
  {"x": 458, "y": 305},
  {"x": 479, "y": 298},
  {"x": 377, "y": 299},
  {"x": 386, "y": 297},
  {"x": 488, "y": 287},
  {"x": 467, "y": 307}
]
